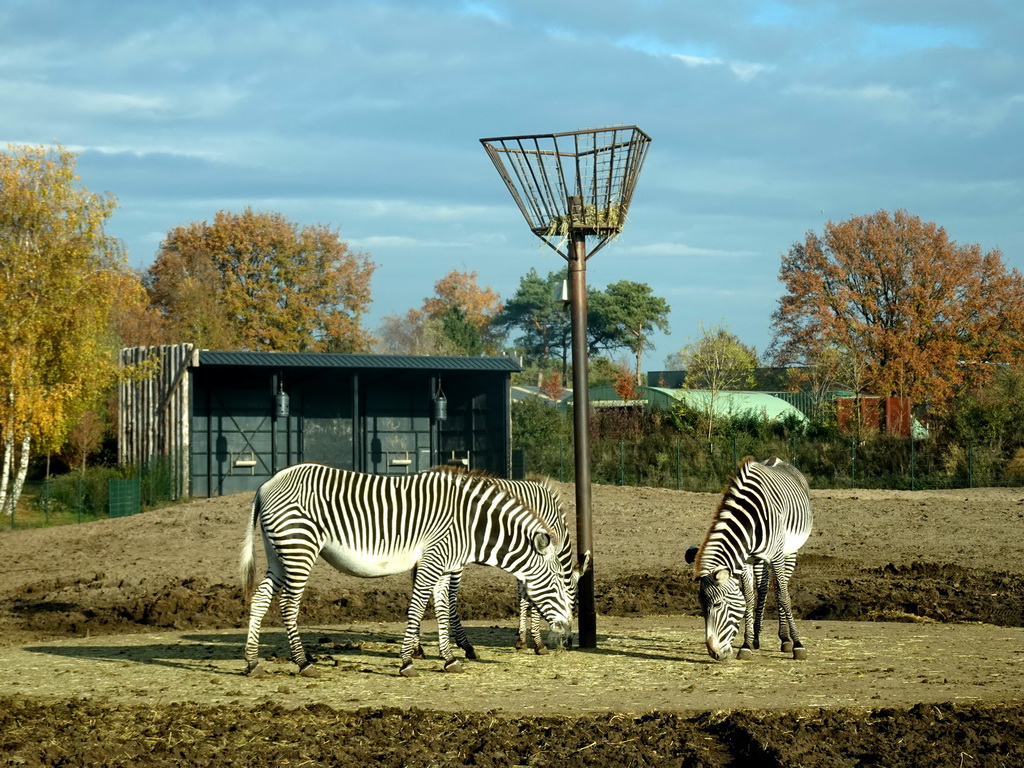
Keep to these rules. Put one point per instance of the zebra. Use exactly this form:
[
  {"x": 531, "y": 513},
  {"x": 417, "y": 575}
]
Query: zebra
[
  {"x": 763, "y": 519},
  {"x": 375, "y": 525},
  {"x": 539, "y": 495}
]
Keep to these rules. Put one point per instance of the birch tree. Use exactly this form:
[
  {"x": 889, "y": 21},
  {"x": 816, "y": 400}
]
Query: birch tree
[{"x": 57, "y": 272}]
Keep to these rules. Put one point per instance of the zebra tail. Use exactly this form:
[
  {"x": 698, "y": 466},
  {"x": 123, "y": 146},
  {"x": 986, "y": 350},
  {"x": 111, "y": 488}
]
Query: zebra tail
[{"x": 247, "y": 561}]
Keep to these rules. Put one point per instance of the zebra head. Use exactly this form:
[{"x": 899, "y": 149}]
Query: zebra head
[
  {"x": 545, "y": 583},
  {"x": 723, "y": 607}
]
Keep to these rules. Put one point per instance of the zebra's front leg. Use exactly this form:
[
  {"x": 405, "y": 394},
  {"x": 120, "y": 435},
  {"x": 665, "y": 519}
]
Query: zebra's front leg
[
  {"x": 762, "y": 576},
  {"x": 750, "y": 643},
  {"x": 258, "y": 605},
  {"x": 442, "y": 608},
  {"x": 289, "y": 601},
  {"x": 426, "y": 579}
]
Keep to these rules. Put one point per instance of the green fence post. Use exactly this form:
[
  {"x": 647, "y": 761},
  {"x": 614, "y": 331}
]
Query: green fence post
[{"x": 970, "y": 466}]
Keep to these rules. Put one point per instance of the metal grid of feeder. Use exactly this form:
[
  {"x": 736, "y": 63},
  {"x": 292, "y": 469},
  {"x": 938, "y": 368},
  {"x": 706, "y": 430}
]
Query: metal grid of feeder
[{"x": 579, "y": 182}]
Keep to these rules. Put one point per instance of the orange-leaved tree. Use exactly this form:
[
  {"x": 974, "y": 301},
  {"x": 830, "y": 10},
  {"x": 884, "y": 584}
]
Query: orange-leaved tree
[
  {"x": 257, "y": 281},
  {"x": 919, "y": 315},
  {"x": 465, "y": 311}
]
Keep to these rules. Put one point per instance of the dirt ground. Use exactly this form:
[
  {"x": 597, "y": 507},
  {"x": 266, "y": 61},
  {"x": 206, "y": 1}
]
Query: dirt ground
[{"x": 121, "y": 644}]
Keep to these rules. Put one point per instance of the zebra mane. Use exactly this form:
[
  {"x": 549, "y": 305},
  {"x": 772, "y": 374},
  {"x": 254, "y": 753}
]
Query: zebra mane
[
  {"x": 735, "y": 482},
  {"x": 459, "y": 469},
  {"x": 461, "y": 474}
]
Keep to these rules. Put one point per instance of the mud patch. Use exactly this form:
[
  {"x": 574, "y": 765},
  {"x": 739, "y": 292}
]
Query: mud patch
[{"x": 89, "y": 733}]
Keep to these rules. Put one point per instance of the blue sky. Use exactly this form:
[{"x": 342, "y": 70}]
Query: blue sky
[{"x": 767, "y": 118}]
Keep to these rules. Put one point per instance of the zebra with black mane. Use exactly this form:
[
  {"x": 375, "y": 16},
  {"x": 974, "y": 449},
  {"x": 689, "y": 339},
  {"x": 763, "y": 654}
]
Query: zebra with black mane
[
  {"x": 538, "y": 494},
  {"x": 763, "y": 519},
  {"x": 374, "y": 525}
]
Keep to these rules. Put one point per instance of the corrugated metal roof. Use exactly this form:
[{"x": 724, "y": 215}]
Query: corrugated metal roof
[{"x": 337, "y": 360}]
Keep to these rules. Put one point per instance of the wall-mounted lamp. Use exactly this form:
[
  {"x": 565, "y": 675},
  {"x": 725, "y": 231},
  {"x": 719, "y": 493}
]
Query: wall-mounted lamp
[
  {"x": 281, "y": 402},
  {"x": 440, "y": 403}
]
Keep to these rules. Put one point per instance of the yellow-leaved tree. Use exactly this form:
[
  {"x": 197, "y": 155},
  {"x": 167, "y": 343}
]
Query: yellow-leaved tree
[{"x": 57, "y": 272}]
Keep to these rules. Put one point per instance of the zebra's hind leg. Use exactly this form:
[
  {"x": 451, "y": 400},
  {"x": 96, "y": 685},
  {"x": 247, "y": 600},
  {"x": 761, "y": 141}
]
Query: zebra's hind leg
[
  {"x": 787, "y": 625},
  {"x": 458, "y": 632},
  {"x": 289, "y": 602},
  {"x": 261, "y": 599}
]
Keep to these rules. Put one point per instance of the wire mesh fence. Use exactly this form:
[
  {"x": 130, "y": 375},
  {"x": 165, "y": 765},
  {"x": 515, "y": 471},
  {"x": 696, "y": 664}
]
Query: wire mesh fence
[{"x": 705, "y": 465}]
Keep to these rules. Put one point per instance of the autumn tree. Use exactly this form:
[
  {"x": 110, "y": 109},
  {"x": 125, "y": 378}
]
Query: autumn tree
[
  {"x": 260, "y": 282},
  {"x": 716, "y": 362},
  {"x": 923, "y": 316},
  {"x": 626, "y": 314},
  {"x": 58, "y": 272},
  {"x": 466, "y": 312}
]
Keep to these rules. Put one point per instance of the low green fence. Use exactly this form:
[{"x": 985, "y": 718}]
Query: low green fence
[{"x": 98, "y": 493}]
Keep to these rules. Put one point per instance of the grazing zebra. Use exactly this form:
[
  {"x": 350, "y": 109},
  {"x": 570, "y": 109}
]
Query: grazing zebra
[
  {"x": 542, "y": 498},
  {"x": 374, "y": 525},
  {"x": 763, "y": 519}
]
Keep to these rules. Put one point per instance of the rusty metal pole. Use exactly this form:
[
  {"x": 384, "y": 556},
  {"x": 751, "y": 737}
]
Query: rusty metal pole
[{"x": 581, "y": 431}]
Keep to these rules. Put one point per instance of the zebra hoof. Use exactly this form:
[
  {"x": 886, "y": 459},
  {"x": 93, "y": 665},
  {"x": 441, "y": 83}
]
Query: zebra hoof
[
  {"x": 744, "y": 654},
  {"x": 309, "y": 671},
  {"x": 408, "y": 670},
  {"x": 255, "y": 669},
  {"x": 520, "y": 644},
  {"x": 453, "y": 665},
  {"x": 800, "y": 654},
  {"x": 417, "y": 652},
  {"x": 541, "y": 650},
  {"x": 471, "y": 653},
  {"x": 787, "y": 646}
]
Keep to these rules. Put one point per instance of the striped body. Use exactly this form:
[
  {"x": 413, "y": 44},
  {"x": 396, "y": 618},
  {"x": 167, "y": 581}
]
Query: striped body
[
  {"x": 373, "y": 525},
  {"x": 763, "y": 519}
]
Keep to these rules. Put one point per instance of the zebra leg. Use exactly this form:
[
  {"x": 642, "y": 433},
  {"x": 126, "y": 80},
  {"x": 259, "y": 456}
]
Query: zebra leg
[
  {"x": 458, "y": 631},
  {"x": 524, "y": 615},
  {"x": 289, "y": 602},
  {"x": 762, "y": 579},
  {"x": 423, "y": 585},
  {"x": 417, "y": 652},
  {"x": 538, "y": 643},
  {"x": 787, "y": 625},
  {"x": 444, "y": 629},
  {"x": 746, "y": 650},
  {"x": 261, "y": 599}
]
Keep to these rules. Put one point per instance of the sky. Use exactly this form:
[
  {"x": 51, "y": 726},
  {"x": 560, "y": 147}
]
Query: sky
[{"x": 767, "y": 118}]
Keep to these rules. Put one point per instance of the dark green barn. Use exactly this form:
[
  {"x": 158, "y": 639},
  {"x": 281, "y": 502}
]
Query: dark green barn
[{"x": 229, "y": 420}]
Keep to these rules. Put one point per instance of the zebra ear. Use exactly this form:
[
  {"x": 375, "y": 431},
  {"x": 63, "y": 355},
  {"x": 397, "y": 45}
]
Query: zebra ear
[
  {"x": 541, "y": 541},
  {"x": 722, "y": 575},
  {"x": 691, "y": 554}
]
